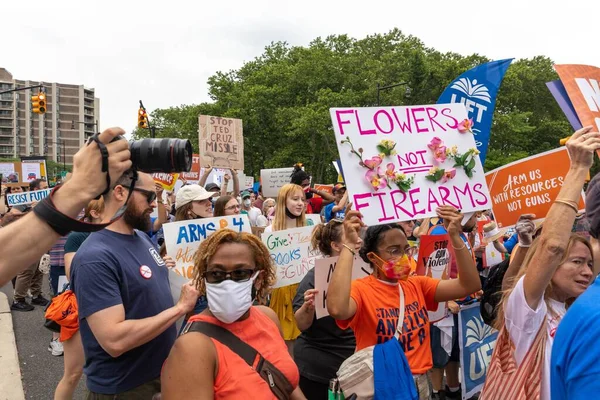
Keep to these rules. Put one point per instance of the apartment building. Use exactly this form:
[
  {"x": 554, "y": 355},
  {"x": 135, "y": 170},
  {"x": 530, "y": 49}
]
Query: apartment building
[{"x": 71, "y": 117}]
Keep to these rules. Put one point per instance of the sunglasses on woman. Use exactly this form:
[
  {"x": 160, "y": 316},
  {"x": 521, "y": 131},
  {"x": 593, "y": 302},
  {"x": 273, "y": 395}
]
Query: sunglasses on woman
[{"x": 218, "y": 276}]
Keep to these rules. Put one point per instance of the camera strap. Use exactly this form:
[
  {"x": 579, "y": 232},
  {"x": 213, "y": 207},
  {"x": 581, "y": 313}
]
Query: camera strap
[{"x": 104, "y": 152}]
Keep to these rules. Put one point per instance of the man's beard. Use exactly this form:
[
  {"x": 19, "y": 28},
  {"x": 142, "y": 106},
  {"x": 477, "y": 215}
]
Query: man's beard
[{"x": 137, "y": 219}]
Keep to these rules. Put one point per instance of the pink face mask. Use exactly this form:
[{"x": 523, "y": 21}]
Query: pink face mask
[{"x": 399, "y": 269}]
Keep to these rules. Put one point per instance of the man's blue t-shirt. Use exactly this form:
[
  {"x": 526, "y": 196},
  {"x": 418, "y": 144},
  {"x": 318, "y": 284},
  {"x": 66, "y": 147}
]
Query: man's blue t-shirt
[
  {"x": 329, "y": 215},
  {"x": 110, "y": 269},
  {"x": 575, "y": 370}
]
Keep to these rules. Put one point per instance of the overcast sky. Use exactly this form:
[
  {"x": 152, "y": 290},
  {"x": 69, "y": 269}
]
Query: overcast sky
[{"x": 164, "y": 51}]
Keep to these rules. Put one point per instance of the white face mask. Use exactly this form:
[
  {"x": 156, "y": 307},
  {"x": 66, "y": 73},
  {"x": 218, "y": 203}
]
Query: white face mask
[
  {"x": 229, "y": 300},
  {"x": 247, "y": 203}
]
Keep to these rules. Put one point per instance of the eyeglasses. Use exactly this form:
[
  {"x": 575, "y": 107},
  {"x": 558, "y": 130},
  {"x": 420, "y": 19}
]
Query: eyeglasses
[
  {"x": 238, "y": 275},
  {"x": 235, "y": 207},
  {"x": 150, "y": 194}
]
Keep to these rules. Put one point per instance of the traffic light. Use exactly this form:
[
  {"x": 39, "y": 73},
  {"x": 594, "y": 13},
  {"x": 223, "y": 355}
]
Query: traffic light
[
  {"x": 38, "y": 103},
  {"x": 142, "y": 119}
]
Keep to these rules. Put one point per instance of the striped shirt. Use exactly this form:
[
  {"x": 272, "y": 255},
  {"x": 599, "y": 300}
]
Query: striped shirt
[{"x": 57, "y": 253}]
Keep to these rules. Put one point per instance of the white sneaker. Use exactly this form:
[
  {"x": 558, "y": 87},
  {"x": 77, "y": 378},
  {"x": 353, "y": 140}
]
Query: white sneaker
[{"x": 56, "y": 348}]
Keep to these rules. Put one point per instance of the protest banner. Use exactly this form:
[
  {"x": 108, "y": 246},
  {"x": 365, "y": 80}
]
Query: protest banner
[
  {"x": 291, "y": 254},
  {"x": 247, "y": 183},
  {"x": 221, "y": 142},
  {"x": 407, "y": 161},
  {"x": 193, "y": 176},
  {"x": 324, "y": 268},
  {"x": 323, "y": 188},
  {"x": 273, "y": 179},
  {"x": 581, "y": 84},
  {"x": 476, "y": 341},
  {"x": 562, "y": 98},
  {"x": 19, "y": 199},
  {"x": 183, "y": 238},
  {"x": 528, "y": 186},
  {"x": 16, "y": 173},
  {"x": 434, "y": 261},
  {"x": 167, "y": 181},
  {"x": 477, "y": 89}
]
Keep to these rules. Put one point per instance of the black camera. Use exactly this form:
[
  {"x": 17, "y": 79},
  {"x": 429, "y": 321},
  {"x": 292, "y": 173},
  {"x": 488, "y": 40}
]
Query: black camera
[{"x": 161, "y": 155}]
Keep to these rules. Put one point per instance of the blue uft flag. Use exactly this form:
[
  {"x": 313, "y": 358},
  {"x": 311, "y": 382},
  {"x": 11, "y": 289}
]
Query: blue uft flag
[{"x": 477, "y": 89}]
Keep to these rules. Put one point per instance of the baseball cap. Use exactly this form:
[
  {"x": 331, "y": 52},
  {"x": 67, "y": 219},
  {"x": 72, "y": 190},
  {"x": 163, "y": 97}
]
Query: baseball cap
[
  {"x": 212, "y": 187},
  {"x": 592, "y": 205},
  {"x": 338, "y": 186},
  {"x": 190, "y": 193},
  {"x": 245, "y": 194}
]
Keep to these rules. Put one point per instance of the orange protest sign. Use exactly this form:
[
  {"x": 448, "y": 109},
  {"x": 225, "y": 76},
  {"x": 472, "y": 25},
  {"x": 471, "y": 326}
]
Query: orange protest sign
[
  {"x": 582, "y": 85},
  {"x": 528, "y": 186},
  {"x": 323, "y": 188},
  {"x": 166, "y": 180},
  {"x": 194, "y": 174}
]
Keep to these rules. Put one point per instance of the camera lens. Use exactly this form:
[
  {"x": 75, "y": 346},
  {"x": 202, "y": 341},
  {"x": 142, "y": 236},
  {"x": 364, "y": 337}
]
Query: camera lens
[{"x": 161, "y": 155}]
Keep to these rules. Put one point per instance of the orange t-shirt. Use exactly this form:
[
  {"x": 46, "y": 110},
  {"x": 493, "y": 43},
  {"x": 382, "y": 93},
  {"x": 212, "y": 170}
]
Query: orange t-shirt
[
  {"x": 377, "y": 312},
  {"x": 235, "y": 379}
]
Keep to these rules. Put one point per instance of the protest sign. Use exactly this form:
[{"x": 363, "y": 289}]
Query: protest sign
[
  {"x": 248, "y": 182},
  {"x": 221, "y": 142},
  {"x": 529, "y": 185},
  {"x": 193, "y": 176},
  {"x": 217, "y": 175},
  {"x": 9, "y": 173},
  {"x": 18, "y": 199},
  {"x": 323, "y": 188},
  {"x": 562, "y": 98},
  {"x": 273, "y": 179},
  {"x": 167, "y": 181},
  {"x": 324, "y": 268},
  {"x": 581, "y": 84},
  {"x": 315, "y": 218},
  {"x": 477, "y": 89},
  {"x": 183, "y": 238},
  {"x": 434, "y": 261},
  {"x": 403, "y": 161},
  {"x": 16, "y": 173},
  {"x": 476, "y": 341},
  {"x": 291, "y": 254}
]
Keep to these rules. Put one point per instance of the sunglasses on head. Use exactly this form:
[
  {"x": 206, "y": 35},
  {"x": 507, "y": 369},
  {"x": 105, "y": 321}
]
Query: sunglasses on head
[
  {"x": 150, "y": 194},
  {"x": 218, "y": 276}
]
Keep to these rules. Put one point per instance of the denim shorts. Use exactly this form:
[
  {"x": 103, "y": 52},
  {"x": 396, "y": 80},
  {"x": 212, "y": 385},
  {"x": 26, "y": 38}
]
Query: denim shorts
[{"x": 440, "y": 357}]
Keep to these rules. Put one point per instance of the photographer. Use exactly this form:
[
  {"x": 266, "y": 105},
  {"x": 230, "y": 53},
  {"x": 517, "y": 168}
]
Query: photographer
[{"x": 30, "y": 237}]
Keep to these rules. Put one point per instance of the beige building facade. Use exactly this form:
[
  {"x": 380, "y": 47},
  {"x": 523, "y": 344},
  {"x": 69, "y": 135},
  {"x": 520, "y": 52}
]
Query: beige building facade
[{"x": 71, "y": 117}]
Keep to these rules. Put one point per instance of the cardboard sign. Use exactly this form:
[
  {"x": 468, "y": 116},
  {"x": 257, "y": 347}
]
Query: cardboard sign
[
  {"x": 476, "y": 341},
  {"x": 291, "y": 254},
  {"x": 167, "y": 181},
  {"x": 221, "y": 142},
  {"x": 273, "y": 179},
  {"x": 21, "y": 173},
  {"x": 194, "y": 175},
  {"x": 183, "y": 238},
  {"x": 582, "y": 83},
  {"x": 529, "y": 185},
  {"x": 324, "y": 268},
  {"x": 392, "y": 153},
  {"x": 434, "y": 261},
  {"x": 18, "y": 199}
]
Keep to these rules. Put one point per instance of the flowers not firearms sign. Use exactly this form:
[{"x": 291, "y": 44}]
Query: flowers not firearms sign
[{"x": 401, "y": 163}]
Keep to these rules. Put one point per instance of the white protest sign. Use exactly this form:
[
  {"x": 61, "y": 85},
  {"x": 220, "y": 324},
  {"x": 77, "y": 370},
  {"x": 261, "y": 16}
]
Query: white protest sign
[
  {"x": 401, "y": 160},
  {"x": 18, "y": 199},
  {"x": 315, "y": 218},
  {"x": 217, "y": 176},
  {"x": 183, "y": 238},
  {"x": 273, "y": 179},
  {"x": 291, "y": 254},
  {"x": 248, "y": 182},
  {"x": 324, "y": 268}
]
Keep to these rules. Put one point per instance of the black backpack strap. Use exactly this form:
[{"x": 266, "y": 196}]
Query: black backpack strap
[{"x": 235, "y": 344}]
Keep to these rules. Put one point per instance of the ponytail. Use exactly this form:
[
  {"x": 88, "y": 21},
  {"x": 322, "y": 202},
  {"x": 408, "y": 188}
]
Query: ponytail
[{"x": 324, "y": 234}]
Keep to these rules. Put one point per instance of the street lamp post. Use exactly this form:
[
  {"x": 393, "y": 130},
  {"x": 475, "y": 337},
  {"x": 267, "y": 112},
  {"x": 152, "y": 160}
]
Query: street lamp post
[{"x": 380, "y": 88}]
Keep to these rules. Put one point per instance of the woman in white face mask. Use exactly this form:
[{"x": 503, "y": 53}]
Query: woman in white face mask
[{"x": 232, "y": 269}]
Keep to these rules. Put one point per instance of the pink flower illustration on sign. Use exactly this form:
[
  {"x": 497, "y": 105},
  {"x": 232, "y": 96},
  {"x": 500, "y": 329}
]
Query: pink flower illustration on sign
[
  {"x": 373, "y": 162},
  {"x": 375, "y": 179},
  {"x": 466, "y": 126},
  {"x": 448, "y": 174}
]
